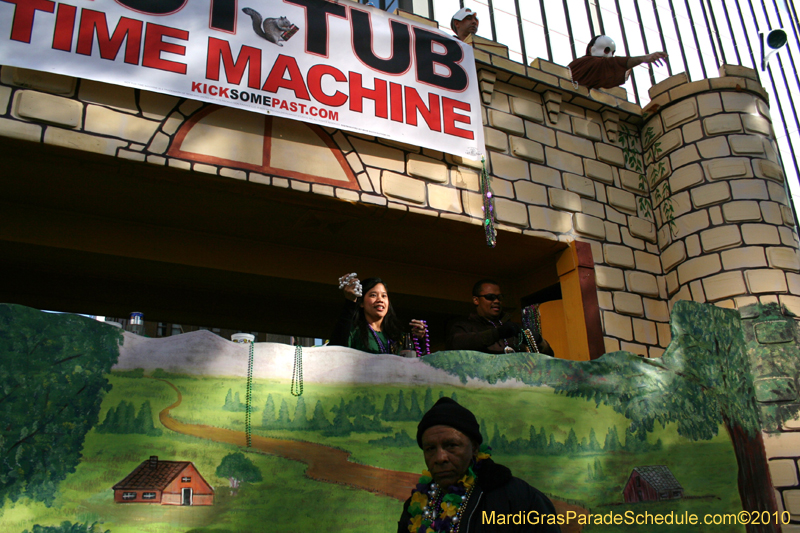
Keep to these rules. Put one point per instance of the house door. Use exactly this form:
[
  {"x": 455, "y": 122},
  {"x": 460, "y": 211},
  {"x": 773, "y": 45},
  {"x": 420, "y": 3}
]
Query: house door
[{"x": 187, "y": 497}]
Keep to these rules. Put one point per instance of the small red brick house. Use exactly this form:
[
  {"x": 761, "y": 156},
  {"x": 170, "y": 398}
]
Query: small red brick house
[
  {"x": 165, "y": 483},
  {"x": 651, "y": 484}
]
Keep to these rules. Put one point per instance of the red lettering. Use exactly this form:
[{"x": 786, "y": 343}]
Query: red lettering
[
  {"x": 302, "y": 108},
  {"x": 213, "y": 90},
  {"x": 315, "y": 75},
  {"x": 154, "y": 44},
  {"x": 430, "y": 115},
  {"x": 294, "y": 107},
  {"x": 276, "y": 102},
  {"x": 396, "y": 97},
  {"x": 94, "y": 22},
  {"x": 65, "y": 25},
  {"x": 24, "y": 12},
  {"x": 249, "y": 58},
  {"x": 223, "y": 91},
  {"x": 377, "y": 95},
  {"x": 196, "y": 87},
  {"x": 275, "y": 80},
  {"x": 451, "y": 117},
  {"x": 284, "y": 106}
]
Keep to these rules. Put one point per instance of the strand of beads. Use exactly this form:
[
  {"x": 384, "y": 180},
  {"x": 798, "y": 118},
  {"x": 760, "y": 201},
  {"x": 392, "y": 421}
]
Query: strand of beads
[
  {"x": 427, "y": 342},
  {"x": 488, "y": 207},
  {"x": 296, "y": 387},
  {"x": 249, "y": 396},
  {"x": 441, "y": 512},
  {"x": 383, "y": 348},
  {"x": 456, "y": 520},
  {"x": 434, "y": 500},
  {"x": 531, "y": 341},
  {"x": 345, "y": 280},
  {"x": 532, "y": 319}
]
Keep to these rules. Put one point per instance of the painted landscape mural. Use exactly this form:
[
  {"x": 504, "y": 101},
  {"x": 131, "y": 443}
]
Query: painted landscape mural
[{"x": 107, "y": 431}]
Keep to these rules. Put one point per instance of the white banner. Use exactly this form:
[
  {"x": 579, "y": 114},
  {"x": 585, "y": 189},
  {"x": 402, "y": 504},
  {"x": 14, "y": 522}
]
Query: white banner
[{"x": 337, "y": 64}]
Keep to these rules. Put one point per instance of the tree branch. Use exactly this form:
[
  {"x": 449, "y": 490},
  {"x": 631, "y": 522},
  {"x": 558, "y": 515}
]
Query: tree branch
[
  {"x": 67, "y": 359},
  {"x": 44, "y": 424},
  {"x": 15, "y": 389},
  {"x": 684, "y": 375},
  {"x": 41, "y": 340}
]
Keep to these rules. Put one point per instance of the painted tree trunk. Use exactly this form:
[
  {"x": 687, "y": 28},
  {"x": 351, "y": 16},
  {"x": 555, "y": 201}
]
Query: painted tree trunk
[{"x": 755, "y": 485}]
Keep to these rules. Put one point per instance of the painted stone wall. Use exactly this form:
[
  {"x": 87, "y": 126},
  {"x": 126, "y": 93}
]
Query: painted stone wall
[
  {"x": 733, "y": 241},
  {"x": 553, "y": 156},
  {"x": 566, "y": 164},
  {"x": 771, "y": 335}
]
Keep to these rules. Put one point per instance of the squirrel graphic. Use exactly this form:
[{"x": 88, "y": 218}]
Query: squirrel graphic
[{"x": 275, "y": 30}]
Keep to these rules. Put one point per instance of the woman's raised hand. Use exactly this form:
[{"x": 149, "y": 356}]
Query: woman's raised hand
[{"x": 351, "y": 285}]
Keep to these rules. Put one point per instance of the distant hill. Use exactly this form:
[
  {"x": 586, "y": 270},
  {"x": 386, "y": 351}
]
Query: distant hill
[{"x": 203, "y": 353}]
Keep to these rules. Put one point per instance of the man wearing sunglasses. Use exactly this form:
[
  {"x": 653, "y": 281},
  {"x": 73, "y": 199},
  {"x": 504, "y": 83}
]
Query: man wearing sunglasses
[{"x": 488, "y": 329}]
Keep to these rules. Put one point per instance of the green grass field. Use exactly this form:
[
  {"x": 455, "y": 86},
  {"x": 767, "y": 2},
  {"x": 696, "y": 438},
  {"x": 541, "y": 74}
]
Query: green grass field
[{"x": 290, "y": 501}]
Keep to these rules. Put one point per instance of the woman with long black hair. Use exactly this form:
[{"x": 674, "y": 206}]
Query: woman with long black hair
[{"x": 368, "y": 321}]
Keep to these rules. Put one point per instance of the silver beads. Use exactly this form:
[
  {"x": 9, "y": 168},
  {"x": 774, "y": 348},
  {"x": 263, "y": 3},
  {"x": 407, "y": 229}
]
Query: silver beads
[{"x": 345, "y": 280}]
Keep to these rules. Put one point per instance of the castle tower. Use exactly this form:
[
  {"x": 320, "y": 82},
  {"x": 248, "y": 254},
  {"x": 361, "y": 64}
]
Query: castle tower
[{"x": 727, "y": 235}]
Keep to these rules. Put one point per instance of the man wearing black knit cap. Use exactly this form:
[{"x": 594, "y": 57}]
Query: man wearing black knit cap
[{"x": 467, "y": 491}]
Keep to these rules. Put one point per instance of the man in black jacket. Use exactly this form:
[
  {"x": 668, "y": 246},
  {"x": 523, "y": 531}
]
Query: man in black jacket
[
  {"x": 488, "y": 329},
  {"x": 467, "y": 490}
]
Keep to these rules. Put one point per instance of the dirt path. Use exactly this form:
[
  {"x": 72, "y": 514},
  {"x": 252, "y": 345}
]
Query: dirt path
[{"x": 327, "y": 464}]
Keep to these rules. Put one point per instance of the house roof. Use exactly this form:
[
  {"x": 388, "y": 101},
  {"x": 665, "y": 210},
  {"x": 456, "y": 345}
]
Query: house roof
[
  {"x": 659, "y": 477},
  {"x": 155, "y": 477}
]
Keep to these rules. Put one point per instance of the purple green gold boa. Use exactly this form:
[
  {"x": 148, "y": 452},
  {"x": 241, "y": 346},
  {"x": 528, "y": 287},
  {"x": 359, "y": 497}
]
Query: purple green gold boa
[{"x": 448, "y": 516}]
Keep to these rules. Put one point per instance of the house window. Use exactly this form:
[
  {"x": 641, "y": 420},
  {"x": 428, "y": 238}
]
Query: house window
[
  {"x": 148, "y": 495},
  {"x": 676, "y": 494},
  {"x": 663, "y": 495},
  {"x": 162, "y": 330},
  {"x": 186, "y": 479},
  {"x": 638, "y": 483},
  {"x": 128, "y": 495}
]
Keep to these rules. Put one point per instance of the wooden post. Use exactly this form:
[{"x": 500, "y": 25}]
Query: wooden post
[{"x": 581, "y": 311}]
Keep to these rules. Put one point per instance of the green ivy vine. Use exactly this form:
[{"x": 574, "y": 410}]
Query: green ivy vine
[{"x": 660, "y": 193}]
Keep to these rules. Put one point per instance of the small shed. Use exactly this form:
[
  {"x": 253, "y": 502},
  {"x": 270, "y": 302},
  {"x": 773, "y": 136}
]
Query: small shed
[
  {"x": 652, "y": 484},
  {"x": 165, "y": 483}
]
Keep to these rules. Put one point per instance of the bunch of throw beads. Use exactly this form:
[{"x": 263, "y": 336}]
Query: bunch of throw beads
[{"x": 345, "y": 280}]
